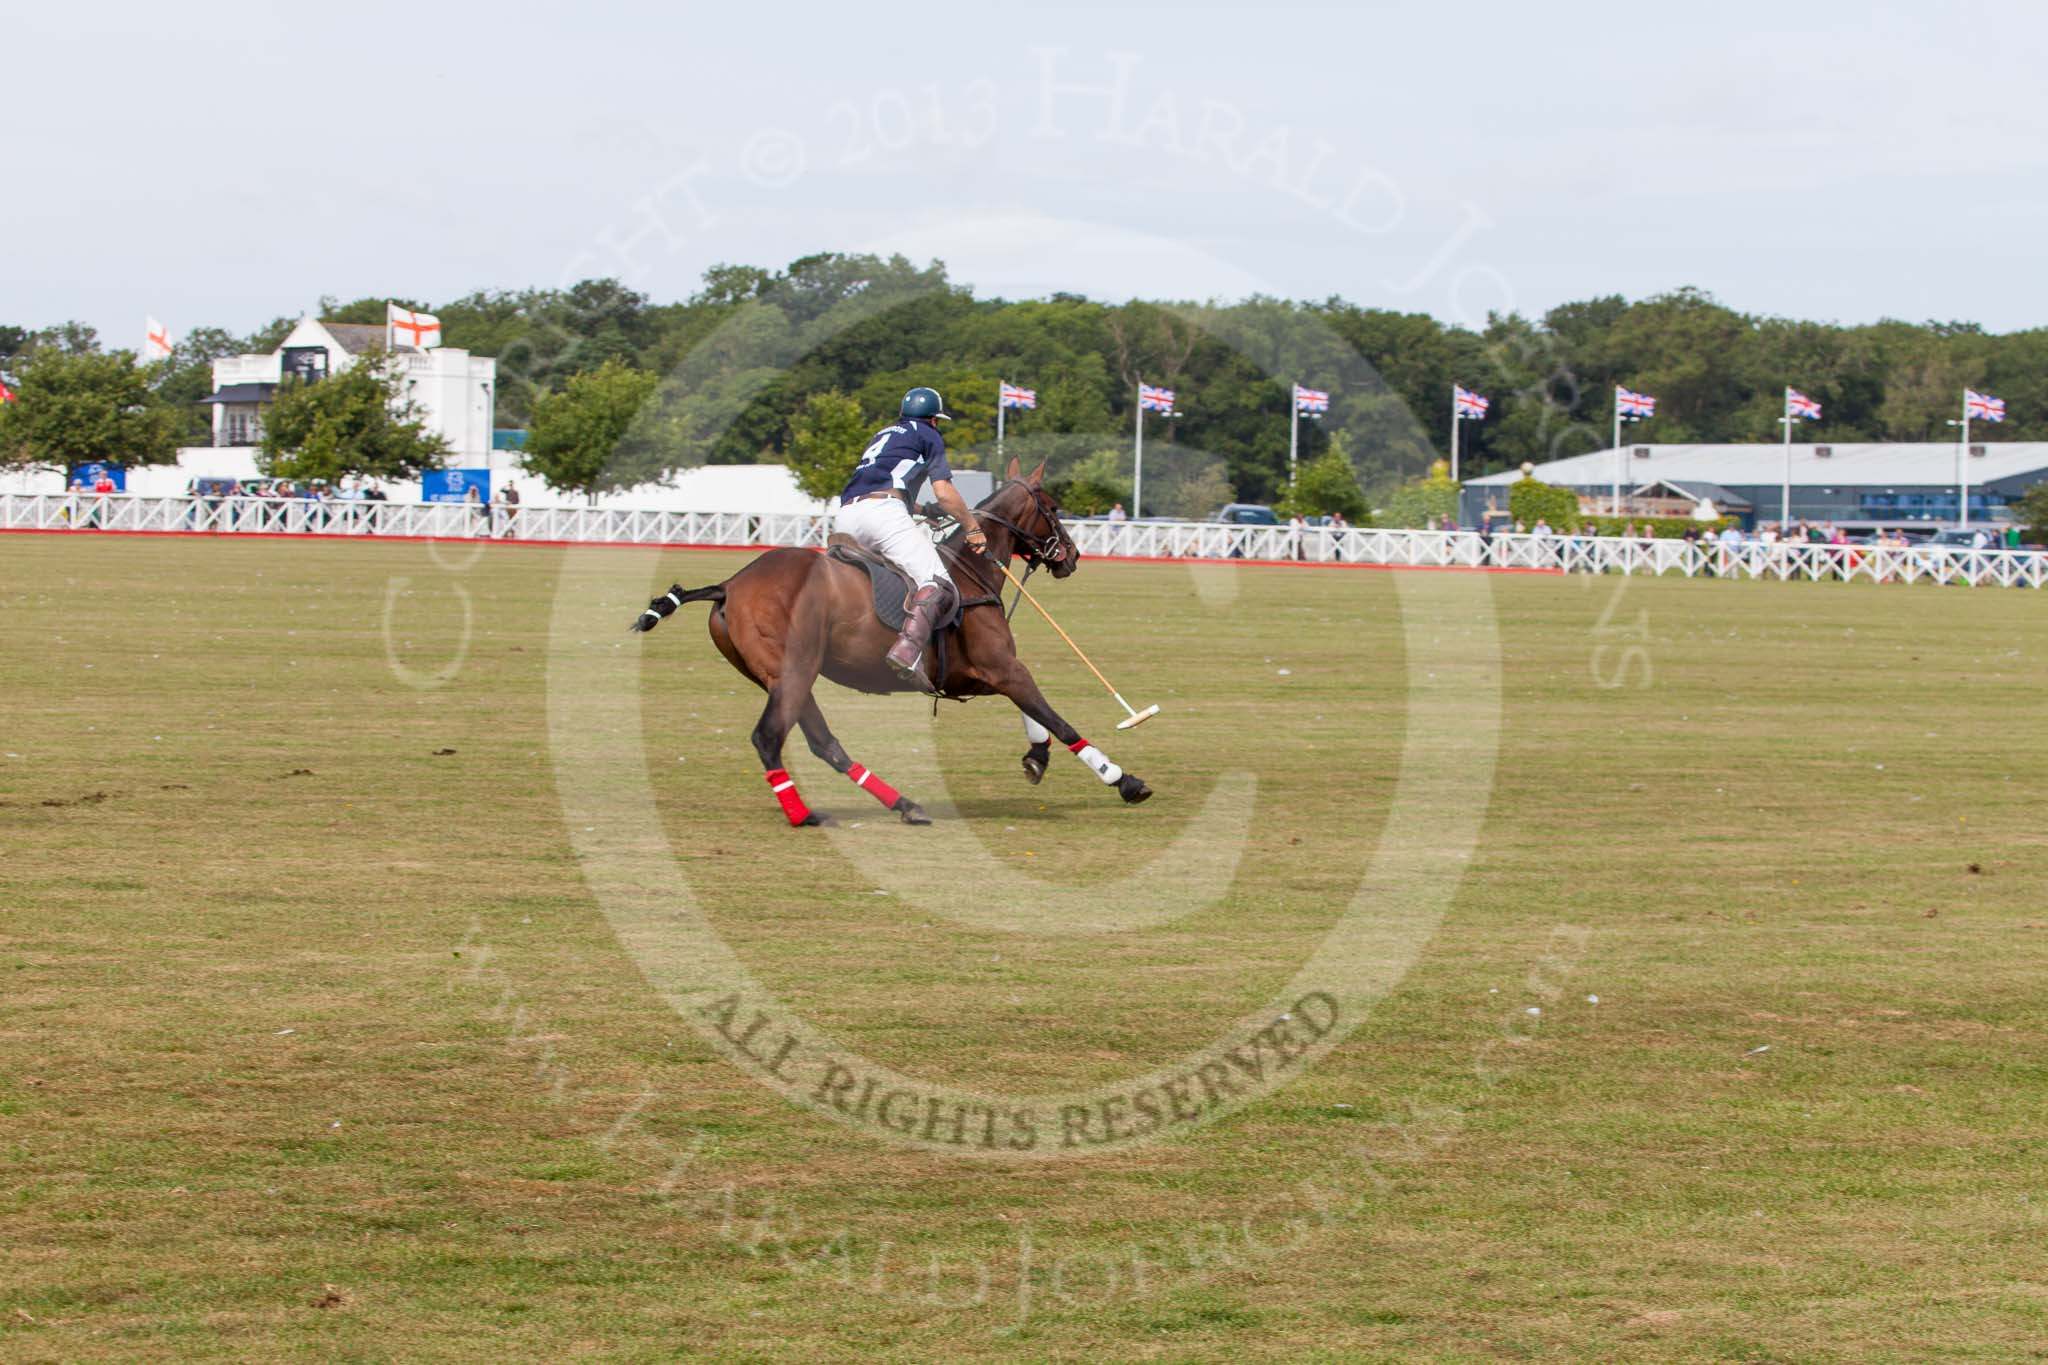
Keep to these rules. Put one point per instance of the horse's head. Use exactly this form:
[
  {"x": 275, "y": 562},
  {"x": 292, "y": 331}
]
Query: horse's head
[{"x": 1023, "y": 505}]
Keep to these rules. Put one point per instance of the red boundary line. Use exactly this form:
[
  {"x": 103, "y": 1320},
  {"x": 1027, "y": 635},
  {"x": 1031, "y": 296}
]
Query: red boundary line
[{"x": 688, "y": 545}]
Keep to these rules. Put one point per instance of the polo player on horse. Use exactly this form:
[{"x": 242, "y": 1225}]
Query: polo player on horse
[{"x": 875, "y": 510}]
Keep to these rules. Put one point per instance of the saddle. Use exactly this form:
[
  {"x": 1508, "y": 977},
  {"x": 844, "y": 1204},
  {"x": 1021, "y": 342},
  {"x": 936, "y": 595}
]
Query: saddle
[{"x": 892, "y": 587}]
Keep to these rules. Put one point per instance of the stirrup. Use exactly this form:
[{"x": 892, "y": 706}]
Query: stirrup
[{"x": 912, "y": 672}]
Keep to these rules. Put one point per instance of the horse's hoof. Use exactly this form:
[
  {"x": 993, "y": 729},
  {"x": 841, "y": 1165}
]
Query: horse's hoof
[
  {"x": 1034, "y": 769},
  {"x": 1132, "y": 790},
  {"x": 912, "y": 813},
  {"x": 820, "y": 820}
]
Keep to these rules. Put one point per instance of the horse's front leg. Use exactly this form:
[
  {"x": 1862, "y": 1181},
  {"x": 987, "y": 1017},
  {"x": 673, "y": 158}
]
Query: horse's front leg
[
  {"x": 1040, "y": 751},
  {"x": 1042, "y": 723}
]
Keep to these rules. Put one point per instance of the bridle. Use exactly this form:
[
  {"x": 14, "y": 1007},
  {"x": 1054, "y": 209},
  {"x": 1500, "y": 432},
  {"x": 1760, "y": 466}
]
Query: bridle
[{"x": 1050, "y": 548}]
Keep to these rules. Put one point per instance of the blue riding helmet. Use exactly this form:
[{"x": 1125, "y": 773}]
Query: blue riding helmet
[{"x": 925, "y": 403}]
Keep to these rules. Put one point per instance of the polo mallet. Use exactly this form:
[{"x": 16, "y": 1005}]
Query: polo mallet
[{"x": 1136, "y": 717}]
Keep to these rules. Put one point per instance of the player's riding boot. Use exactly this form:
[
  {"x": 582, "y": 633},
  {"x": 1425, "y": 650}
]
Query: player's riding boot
[{"x": 907, "y": 653}]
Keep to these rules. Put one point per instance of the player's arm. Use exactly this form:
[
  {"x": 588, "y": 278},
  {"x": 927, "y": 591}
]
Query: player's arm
[{"x": 949, "y": 500}]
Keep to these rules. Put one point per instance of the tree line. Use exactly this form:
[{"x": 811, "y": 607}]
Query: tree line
[{"x": 800, "y": 364}]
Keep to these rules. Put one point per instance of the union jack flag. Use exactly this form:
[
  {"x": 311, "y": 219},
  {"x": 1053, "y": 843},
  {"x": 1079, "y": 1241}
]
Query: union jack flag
[
  {"x": 1154, "y": 400},
  {"x": 1466, "y": 403},
  {"x": 1633, "y": 404},
  {"x": 1982, "y": 407},
  {"x": 1014, "y": 397},
  {"x": 1798, "y": 404},
  {"x": 1311, "y": 400}
]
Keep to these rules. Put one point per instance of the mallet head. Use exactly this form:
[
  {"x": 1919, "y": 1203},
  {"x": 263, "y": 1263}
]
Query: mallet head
[{"x": 1138, "y": 718}]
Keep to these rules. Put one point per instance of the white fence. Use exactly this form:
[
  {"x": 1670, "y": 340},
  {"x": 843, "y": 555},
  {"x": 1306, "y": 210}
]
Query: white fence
[{"x": 1138, "y": 540}]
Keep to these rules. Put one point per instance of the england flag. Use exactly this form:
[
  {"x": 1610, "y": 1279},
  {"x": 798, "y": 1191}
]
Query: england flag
[
  {"x": 421, "y": 331},
  {"x": 156, "y": 340},
  {"x": 1982, "y": 407},
  {"x": 1311, "y": 400},
  {"x": 1013, "y": 397},
  {"x": 1154, "y": 400},
  {"x": 1798, "y": 404},
  {"x": 1466, "y": 403},
  {"x": 1632, "y": 404}
]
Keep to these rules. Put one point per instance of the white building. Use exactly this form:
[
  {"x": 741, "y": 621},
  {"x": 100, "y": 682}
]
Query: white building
[{"x": 456, "y": 391}]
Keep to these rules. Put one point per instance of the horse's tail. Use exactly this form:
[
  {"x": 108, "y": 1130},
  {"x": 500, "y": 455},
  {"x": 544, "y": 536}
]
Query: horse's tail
[{"x": 664, "y": 606}]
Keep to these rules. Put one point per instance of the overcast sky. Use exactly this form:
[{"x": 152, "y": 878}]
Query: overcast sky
[{"x": 223, "y": 164}]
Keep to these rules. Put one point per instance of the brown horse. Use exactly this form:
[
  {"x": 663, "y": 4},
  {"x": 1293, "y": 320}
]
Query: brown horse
[{"x": 791, "y": 615}]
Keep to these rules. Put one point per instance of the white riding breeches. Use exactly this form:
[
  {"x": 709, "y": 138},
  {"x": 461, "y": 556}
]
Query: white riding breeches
[{"x": 884, "y": 526}]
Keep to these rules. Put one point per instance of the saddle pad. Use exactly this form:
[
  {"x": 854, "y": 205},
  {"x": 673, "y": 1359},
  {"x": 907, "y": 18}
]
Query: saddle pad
[{"x": 891, "y": 586}]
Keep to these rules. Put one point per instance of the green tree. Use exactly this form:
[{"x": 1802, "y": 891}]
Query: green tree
[
  {"x": 73, "y": 407},
  {"x": 355, "y": 422},
  {"x": 1326, "y": 485},
  {"x": 825, "y": 442},
  {"x": 1423, "y": 502},
  {"x": 579, "y": 438},
  {"x": 185, "y": 377},
  {"x": 1189, "y": 488},
  {"x": 1532, "y": 500},
  {"x": 2030, "y": 509},
  {"x": 1093, "y": 484}
]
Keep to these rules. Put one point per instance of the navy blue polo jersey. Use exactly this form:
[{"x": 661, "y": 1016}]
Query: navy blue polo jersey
[{"x": 899, "y": 460}]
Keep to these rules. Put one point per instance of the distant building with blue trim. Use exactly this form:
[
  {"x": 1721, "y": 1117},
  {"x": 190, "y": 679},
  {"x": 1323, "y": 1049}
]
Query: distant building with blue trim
[{"x": 1856, "y": 486}]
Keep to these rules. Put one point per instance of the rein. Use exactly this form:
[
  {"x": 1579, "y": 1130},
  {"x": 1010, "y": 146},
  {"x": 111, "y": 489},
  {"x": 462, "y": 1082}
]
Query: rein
[{"x": 1035, "y": 550}]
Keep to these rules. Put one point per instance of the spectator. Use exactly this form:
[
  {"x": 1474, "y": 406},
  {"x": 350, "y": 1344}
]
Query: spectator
[
  {"x": 102, "y": 487},
  {"x": 1295, "y": 526},
  {"x": 474, "y": 497},
  {"x": 1338, "y": 526},
  {"x": 1117, "y": 513},
  {"x": 511, "y": 505}
]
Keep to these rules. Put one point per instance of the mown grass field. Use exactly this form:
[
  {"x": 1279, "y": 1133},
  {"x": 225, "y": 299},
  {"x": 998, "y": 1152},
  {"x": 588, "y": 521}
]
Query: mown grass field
[{"x": 315, "y": 1042}]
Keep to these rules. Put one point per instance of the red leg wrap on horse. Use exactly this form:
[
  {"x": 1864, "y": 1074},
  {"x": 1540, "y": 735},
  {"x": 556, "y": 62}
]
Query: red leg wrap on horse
[
  {"x": 1077, "y": 746},
  {"x": 785, "y": 791},
  {"x": 875, "y": 786}
]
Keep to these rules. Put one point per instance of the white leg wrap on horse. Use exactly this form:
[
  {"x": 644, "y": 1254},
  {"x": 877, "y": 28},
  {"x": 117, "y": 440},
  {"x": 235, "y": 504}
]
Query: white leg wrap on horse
[
  {"x": 1097, "y": 760},
  {"x": 1035, "y": 732}
]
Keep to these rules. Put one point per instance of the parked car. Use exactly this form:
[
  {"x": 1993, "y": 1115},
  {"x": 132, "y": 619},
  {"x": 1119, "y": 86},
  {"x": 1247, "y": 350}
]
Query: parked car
[
  {"x": 1247, "y": 514},
  {"x": 1965, "y": 538}
]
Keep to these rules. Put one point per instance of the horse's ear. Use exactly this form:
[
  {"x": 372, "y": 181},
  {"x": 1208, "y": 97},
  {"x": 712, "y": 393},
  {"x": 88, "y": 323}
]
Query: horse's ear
[
  {"x": 1037, "y": 475},
  {"x": 1015, "y": 470}
]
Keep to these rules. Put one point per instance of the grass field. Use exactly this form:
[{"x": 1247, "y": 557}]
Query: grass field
[{"x": 318, "y": 1039}]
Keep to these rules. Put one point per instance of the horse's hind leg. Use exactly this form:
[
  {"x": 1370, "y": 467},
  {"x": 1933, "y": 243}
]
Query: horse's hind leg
[
  {"x": 785, "y": 704},
  {"x": 828, "y": 748},
  {"x": 1020, "y": 687}
]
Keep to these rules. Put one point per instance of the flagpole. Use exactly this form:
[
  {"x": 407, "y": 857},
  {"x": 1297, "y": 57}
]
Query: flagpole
[
  {"x": 1293, "y": 430},
  {"x": 1138, "y": 462},
  {"x": 1454, "y": 433},
  {"x": 1617, "y": 453},
  {"x": 1963, "y": 468},
  {"x": 999, "y": 427},
  {"x": 1785, "y": 504}
]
